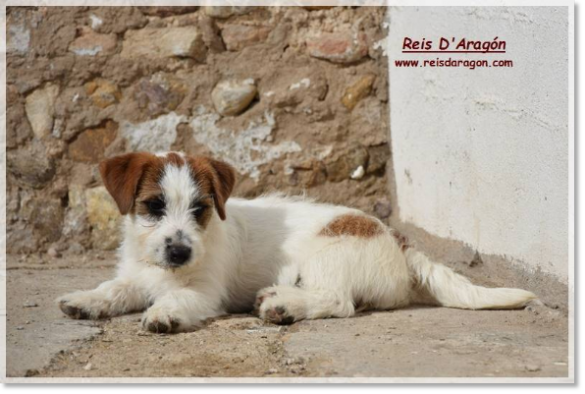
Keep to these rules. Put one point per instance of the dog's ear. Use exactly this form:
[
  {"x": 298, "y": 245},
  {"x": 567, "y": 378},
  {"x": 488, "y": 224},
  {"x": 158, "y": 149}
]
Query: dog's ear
[
  {"x": 216, "y": 178},
  {"x": 121, "y": 175},
  {"x": 223, "y": 179}
]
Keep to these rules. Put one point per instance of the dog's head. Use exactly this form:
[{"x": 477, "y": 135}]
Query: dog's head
[{"x": 171, "y": 199}]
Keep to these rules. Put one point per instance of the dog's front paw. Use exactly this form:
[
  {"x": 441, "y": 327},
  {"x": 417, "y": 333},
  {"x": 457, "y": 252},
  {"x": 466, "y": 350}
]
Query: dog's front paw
[
  {"x": 160, "y": 325},
  {"x": 84, "y": 305},
  {"x": 159, "y": 321}
]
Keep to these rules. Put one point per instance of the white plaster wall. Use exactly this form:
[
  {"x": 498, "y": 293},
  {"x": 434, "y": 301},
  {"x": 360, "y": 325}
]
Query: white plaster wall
[{"x": 481, "y": 155}]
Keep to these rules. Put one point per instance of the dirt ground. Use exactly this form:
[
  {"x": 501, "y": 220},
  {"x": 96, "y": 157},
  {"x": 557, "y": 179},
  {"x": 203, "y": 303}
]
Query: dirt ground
[{"x": 412, "y": 342}]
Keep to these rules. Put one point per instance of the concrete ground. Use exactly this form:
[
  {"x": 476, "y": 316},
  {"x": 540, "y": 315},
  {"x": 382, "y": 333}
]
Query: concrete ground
[{"x": 413, "y": 342}]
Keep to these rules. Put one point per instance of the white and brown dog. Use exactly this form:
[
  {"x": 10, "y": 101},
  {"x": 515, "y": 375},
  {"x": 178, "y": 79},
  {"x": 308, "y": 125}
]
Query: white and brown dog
[{"x": 189, "y": 254}]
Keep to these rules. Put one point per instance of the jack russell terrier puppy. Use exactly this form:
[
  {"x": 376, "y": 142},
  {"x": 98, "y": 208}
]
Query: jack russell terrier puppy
[{"x": 189, "y": 254}]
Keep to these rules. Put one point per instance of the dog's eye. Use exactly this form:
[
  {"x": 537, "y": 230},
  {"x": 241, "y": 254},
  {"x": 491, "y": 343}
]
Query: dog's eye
[
  {"x": 198, "y": 210},
  {"x": 155, "y": 207}
]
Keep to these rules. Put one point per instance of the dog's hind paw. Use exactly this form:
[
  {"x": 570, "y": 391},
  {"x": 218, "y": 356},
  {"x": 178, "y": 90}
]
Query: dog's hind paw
[
  {"x": 277, "y": 315},
  {"x": 261, "y": 296}
]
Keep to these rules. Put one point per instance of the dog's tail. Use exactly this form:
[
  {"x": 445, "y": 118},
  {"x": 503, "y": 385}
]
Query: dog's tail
[{"x": 452, "y": 290}]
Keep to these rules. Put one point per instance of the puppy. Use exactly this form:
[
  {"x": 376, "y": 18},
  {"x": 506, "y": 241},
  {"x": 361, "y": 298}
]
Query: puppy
[{"x": 189, "y": 254}]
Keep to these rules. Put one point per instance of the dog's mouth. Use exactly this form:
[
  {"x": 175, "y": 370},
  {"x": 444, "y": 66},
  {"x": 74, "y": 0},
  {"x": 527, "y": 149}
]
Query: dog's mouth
[
  {"x": 163, "y": 264},
  {"x": 174, "y": 267},
  {"x": 169, "y": 266}
]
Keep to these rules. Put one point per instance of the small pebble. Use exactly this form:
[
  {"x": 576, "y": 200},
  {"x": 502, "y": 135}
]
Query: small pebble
[
  {"x": 383, "y": 208},
  {"x": 30, "y": 304},
  {"x": 532, "y": 368},
  {"x": 20, "y": 328},
  {"x": 87, "y": 367},
  {"x": 358, "y": 173},
  {"x": 53, "y": 252},
  {"x": 293, "y": 361},
  {"x": 272, "y": 371}
]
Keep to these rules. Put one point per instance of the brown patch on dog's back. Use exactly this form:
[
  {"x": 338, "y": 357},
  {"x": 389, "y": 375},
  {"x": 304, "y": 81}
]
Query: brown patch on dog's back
[{"x": 352, "y": 225}]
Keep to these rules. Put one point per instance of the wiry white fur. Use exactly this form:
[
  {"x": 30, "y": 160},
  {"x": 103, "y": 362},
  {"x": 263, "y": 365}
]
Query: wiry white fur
[
  {"x": 453, "y": 290},
  {"x": 259, "y": 253}
]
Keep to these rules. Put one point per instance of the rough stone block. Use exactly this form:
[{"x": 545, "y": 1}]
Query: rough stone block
[
  {"x": 346, "y": 165},
  {"x": 92, "y": 44},
  {"x": 103, "y": 217},
  {"x": 167, "y": 11},
  {"x": 40, "y": 106},
  {"x": 103, "y": 93},
  {"x": 160, "y": 93},
  {"x": 237, "y": 37},
  {"x": 91, "y": 144},
  {"x": 31, "y": 167},
  {"x": 358, "y": 91},
  {"x": 338, "y": 47},
  {"x": 231, "y": 97},
  {"x": 223, "y": 12},
  {"x": 168, "y": 42}
]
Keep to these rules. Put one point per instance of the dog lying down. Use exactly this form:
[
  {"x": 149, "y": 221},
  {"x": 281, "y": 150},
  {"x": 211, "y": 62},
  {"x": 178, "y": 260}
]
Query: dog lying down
[{"x": 189, "y": 254}]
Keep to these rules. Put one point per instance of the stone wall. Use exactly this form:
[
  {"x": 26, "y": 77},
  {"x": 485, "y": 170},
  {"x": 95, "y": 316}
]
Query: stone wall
[{"x": 295, "y": 98}]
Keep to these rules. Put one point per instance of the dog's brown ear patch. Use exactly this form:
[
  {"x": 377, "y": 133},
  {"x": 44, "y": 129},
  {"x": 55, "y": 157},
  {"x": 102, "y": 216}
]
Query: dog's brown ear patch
[
  {"x": 216, "y": 178},
  {"x": 224, "y": 180},
  {"x": 121, "y": 175},
  {"x": 352, "y": 225}
]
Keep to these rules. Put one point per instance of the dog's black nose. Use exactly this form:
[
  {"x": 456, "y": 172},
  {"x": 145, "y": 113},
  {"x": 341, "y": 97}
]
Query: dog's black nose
[{"x": 178, "y": 254}]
